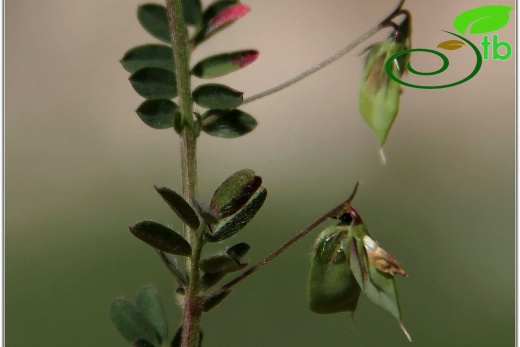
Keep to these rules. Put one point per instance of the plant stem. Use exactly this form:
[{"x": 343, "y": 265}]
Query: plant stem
[
  {"x": 336, "y": 211},
  {"x": 192, "y": 308},
  {"x": 330, "y": 59},
  {"x": 181, "y": 58}
]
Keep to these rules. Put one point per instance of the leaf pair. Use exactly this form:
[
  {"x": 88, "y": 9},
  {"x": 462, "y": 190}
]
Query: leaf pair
[
  {"x": 347, "y": 261},
  {"x": 143, "y": 324},
  {"x": 152, "y": 70},
  {"x": 153, "y": 74},
  {"x": 223, "y": 119},
  {"x": 234, "y": 204},
  {"x": 163, "y": 238}
]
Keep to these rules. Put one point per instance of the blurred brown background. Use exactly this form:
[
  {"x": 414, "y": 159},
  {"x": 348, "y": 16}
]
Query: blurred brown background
[{"x": 80, "y": 168}]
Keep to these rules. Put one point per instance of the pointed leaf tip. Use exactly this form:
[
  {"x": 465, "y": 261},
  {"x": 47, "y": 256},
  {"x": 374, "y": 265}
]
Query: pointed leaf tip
[
  {"x": 180, "y": 206},
  {"x": 406, "y": 333}
]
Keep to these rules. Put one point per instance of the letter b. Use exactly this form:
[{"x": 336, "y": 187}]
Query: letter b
[{"x": 496, "y": 46}]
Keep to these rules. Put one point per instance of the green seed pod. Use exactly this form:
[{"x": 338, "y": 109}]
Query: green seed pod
[
  {"x": 379, "y": 94},
  {"x": 373, "y": 268},
  {"x": 332, "y": 287}
]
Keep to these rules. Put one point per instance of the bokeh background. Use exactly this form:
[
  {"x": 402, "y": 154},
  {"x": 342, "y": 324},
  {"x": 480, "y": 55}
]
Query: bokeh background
[{"x": 80, "y": 167}]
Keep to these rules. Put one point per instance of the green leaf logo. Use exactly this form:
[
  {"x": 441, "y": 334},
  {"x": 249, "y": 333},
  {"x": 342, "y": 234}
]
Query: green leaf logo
[{"x": 481, "y": 20}]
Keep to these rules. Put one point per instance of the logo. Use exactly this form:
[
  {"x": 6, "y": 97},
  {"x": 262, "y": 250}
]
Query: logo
[{"x": 479, "y": 20}]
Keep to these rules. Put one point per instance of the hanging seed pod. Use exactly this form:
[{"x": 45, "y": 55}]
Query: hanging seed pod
[
  {"x": 379, "y": 94},
  {"x": 346, "y": 261},
  {"x": 332, "y": 287},
  {"x": 373, "y": 268}
]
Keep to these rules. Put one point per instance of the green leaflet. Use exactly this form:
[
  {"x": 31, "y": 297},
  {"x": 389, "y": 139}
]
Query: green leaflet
[
  {"x": 130, "y": 323},
  {"x": 150, "y": 307},
  {"x": 222, "y": 64},
  {"x": 227, "y": 123},
  {"x": 217, "y": 96},
  {"x": 150, "y": 55},
  {"x": 234, "y": 192},
  {"x": 229, "y": 226},
  {"x": 154, "y": 19}
]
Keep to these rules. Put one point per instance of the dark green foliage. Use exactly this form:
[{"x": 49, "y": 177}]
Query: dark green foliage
[
  {"x": 233, "y": 224},
  {"x": 154, "y": 19},
  {"x": 222, "y": 263},
  {"x": 160, "y": 237},
  {"x": 217, "y": 96},
  {"x": 151, "y": 55},
  {"x": 209, "y": 279},
  {"x": 150, "y": 307},
  {"x": 154, "y": 83},
  {"x": 179, "y": 206},
  {"x": 234, "y": 192},
  {"x": 227, "y": 124},
  {"x": 239, "y": 250},
  {"x": 212, "y": 302},
  {"x": 231, "y": 260},
  {"x": 130, "y": 322},
  {"x": 158, "y": 113},
  {"x": 192, "y": 11},
  {"x": 171, "y": 263},
  {"x": 223, "y": 64}
]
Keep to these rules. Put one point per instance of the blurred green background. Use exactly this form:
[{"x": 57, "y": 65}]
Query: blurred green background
[{"x": 80, "y": 167}]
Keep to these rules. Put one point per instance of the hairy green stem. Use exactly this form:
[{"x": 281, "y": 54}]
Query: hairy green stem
[
  {"x": 181, "y": 57},
  {"x": 192, "y": 310}
]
